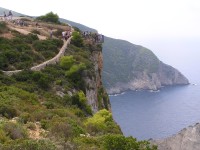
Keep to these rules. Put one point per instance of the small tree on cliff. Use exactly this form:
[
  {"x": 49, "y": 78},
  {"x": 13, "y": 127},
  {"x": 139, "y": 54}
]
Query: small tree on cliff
[{"x": 49, "y": 17}]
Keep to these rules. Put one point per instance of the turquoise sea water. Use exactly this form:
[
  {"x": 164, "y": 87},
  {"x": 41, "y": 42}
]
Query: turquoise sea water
[{"x": 146, "y": 114}]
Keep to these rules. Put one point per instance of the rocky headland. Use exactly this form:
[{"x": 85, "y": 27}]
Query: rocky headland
[{"x": 165, "y": 76}]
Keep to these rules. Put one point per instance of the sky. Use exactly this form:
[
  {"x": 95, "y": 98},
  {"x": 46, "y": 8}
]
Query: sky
[
  {"x": 121, "y": 18},
  {"x": 170, "y": 28}
]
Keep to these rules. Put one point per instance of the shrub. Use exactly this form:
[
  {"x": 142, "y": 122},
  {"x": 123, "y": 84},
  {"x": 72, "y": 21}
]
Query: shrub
[
  {"x": 3, "y": 137},
  {"x": 29, "y": 145},
  {"x": 48, "y": 48},
  {"x": 14, "y": 130},
  {"x": 67, "y": 61},
  {"x": 24, "y": 117},
  {"x": 120, "y": 142},
  {"x": 77, "y": 40},
  {"x": 3, "y": 27},
  {"x": 49, "y": 17},
  {"x": 31, "y": 125},
  {"x": 80, "y": 101},
  {"x": 102, "y": 123},
  {"x": 60, "y": 127},
  {"x": 7, "y": 111},
  {"x": 75, "y": 70}
]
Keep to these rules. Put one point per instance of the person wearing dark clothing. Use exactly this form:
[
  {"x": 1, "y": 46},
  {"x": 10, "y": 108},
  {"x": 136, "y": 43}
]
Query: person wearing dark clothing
[
  {"x": 51, "y": 33},
  {"x": 10, "y": 15},
  {"x": 5, "y": 16}
]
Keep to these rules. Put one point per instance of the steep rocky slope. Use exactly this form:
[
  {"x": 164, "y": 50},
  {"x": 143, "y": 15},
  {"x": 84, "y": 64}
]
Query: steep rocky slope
[
  {"x": 133, "y": 67},
  {"x": 186, "y": 139}
]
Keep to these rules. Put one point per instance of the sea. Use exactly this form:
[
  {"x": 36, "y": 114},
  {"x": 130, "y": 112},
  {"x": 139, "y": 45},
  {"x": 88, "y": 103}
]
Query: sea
[{"x": 160, "y": 114}]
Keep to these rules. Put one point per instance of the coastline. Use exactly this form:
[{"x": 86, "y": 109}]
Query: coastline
[{"x": 148, "y": 90}]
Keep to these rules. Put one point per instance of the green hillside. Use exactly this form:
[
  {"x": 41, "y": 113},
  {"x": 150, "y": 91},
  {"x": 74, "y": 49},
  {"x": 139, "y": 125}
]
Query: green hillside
[{"x": 49, "y": 109}]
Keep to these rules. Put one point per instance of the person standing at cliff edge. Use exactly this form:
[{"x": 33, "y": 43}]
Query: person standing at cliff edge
[
  {"x": 5, "y": 16},
  {"x": 10, "y": 15}
]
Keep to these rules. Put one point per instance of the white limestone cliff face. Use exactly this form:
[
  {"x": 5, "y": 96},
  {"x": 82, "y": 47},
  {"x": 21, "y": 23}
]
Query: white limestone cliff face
[
  {"x": 94, "y": 82},
  {"x": 186, "y": 139},
  {"x": 165, "y": 76}
]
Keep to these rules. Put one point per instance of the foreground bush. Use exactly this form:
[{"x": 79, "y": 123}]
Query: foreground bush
[
  {"x": 120, "y": 142},
  {"x": 29, "y": 145},
  {"x": 102, "y": 123}
]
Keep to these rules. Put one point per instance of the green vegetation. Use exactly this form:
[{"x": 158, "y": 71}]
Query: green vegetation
[
  {"x": 24, "y": 51},
  {"x": 52, "y": 102},
  {"x": 3, "y": 27},
  {"x": 50, "y": 17},
  {"x": 102, "y": 123},
  {"x": 77, "y": 40}
]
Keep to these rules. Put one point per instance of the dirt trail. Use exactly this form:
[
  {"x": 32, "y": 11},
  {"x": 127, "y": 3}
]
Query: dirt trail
[{"x": 23, "y": 31}]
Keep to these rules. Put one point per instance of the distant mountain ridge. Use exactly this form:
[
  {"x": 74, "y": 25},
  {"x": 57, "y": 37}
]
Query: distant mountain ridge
[{"x": 2, "y": 10}]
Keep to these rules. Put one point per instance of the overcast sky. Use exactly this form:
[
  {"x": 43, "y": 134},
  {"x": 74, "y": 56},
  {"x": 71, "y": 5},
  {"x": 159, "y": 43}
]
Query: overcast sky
[
  {"x": 126, "y": 19},
  {"x": 170, "y": 28}
]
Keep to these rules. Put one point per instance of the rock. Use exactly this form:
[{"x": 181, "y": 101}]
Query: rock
[
  {"x": 186, "y": 139},
  {"x": 165, "y": 76}
]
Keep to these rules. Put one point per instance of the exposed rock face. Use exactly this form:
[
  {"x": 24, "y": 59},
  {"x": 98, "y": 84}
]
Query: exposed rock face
[
  {"x": 165, "y": 76},
  {"x": 186, "y": 139},
  {"x": 94, "y": 84}
]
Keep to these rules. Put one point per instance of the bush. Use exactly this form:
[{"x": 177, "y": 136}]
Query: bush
[
  {"x": 75, "y": 70},
  {"x": 24, "y": 117},
  {"x": 50, "y": 17},
  {"x": 3, "y": 27},
  {"x": 77, "y": 40},
  {"x": 29, "y": 145},
  {"x": 31, "y": 125},
  {"x": 80, "y": 101},
  {"x": 102, "y": 123},
  {"x": 3, "y": 137},
  {"x": 48, "y": 48},
  {"x": 7, "y": 111},
  {"x": 120, "y": 142},
  {"x": 67, "y": 61},
  {"x": 14, "y": 130}
]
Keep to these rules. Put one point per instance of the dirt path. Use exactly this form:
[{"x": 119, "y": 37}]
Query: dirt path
[{"x": 23, "y": 31}]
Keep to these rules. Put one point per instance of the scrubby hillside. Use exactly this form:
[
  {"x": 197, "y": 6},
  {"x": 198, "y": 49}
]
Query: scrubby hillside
[{"x": 61, "y": 106}]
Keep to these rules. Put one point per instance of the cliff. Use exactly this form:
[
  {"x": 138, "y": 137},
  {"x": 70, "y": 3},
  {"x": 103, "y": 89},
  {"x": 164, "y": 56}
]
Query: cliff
[
  {"x": 186, "y": 139},
  {"x": 165, "y": 76},
  {"x": 133, "y": 67},
  {"x": 96, "y": 95}
]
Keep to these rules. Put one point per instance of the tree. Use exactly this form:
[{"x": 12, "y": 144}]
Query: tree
[{"x": 49, "y": 17}]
